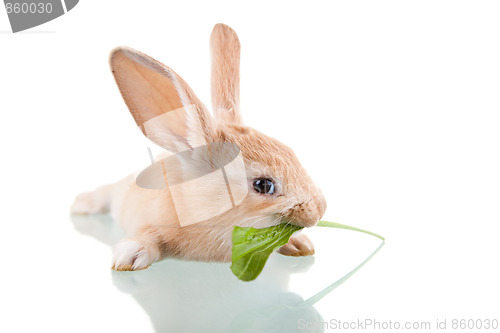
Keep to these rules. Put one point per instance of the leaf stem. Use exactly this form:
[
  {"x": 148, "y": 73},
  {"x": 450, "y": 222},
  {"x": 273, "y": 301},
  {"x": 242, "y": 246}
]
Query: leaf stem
[{"x": 348, "y": 227}]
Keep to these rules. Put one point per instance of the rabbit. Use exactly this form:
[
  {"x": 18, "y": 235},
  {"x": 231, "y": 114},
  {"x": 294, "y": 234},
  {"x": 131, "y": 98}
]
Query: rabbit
[{"x": 278, "y": 189}]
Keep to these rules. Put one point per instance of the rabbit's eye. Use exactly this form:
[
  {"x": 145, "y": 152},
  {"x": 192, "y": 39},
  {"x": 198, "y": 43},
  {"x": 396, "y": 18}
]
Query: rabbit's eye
[{"x": 263, "y": 186}]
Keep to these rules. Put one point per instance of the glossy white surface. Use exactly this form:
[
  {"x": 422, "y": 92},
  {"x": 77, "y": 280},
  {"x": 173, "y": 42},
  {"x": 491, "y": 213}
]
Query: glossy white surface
[{"x": 193, "y": 296}]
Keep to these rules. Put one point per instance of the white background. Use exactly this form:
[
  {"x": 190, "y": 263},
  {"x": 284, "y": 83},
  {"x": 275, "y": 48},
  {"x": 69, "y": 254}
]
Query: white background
[{"x": 392, "y": 106}]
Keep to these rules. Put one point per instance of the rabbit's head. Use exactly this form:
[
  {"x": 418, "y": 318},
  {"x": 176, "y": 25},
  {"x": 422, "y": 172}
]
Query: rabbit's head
[{"x": 167, "y": 111}]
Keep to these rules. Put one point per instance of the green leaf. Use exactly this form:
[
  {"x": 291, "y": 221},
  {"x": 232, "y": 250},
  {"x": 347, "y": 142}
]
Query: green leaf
[{"x": 252, "y": 247}]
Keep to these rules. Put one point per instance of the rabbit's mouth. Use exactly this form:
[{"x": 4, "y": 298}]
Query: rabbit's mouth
[
  {"x": 304, "y": 223},
  {"x": 306, "y": 214}
]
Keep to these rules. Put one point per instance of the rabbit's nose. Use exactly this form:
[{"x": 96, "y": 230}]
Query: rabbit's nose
[{"x": 307, "y": 214}]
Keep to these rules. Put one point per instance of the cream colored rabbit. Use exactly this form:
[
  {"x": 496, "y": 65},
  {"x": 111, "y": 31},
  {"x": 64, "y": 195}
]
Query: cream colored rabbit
[{"x": 279, "y": 189}]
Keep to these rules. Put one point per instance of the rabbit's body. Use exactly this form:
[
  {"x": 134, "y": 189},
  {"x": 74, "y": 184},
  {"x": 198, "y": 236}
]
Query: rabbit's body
[{"x": 279, "y": 189}]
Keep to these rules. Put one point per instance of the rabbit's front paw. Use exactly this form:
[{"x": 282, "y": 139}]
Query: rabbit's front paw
[
  {"x": 299, "y": 245},
  {"x": 130, "y": 255}
]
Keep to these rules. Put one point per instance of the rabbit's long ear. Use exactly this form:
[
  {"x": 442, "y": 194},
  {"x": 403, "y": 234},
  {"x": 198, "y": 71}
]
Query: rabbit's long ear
[
  {"x": 162, "y": 104},
  {"x": 225, "y": 53}
]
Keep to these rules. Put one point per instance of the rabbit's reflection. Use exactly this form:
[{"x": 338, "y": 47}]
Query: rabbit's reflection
[{"x": 184, "y": 296}]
